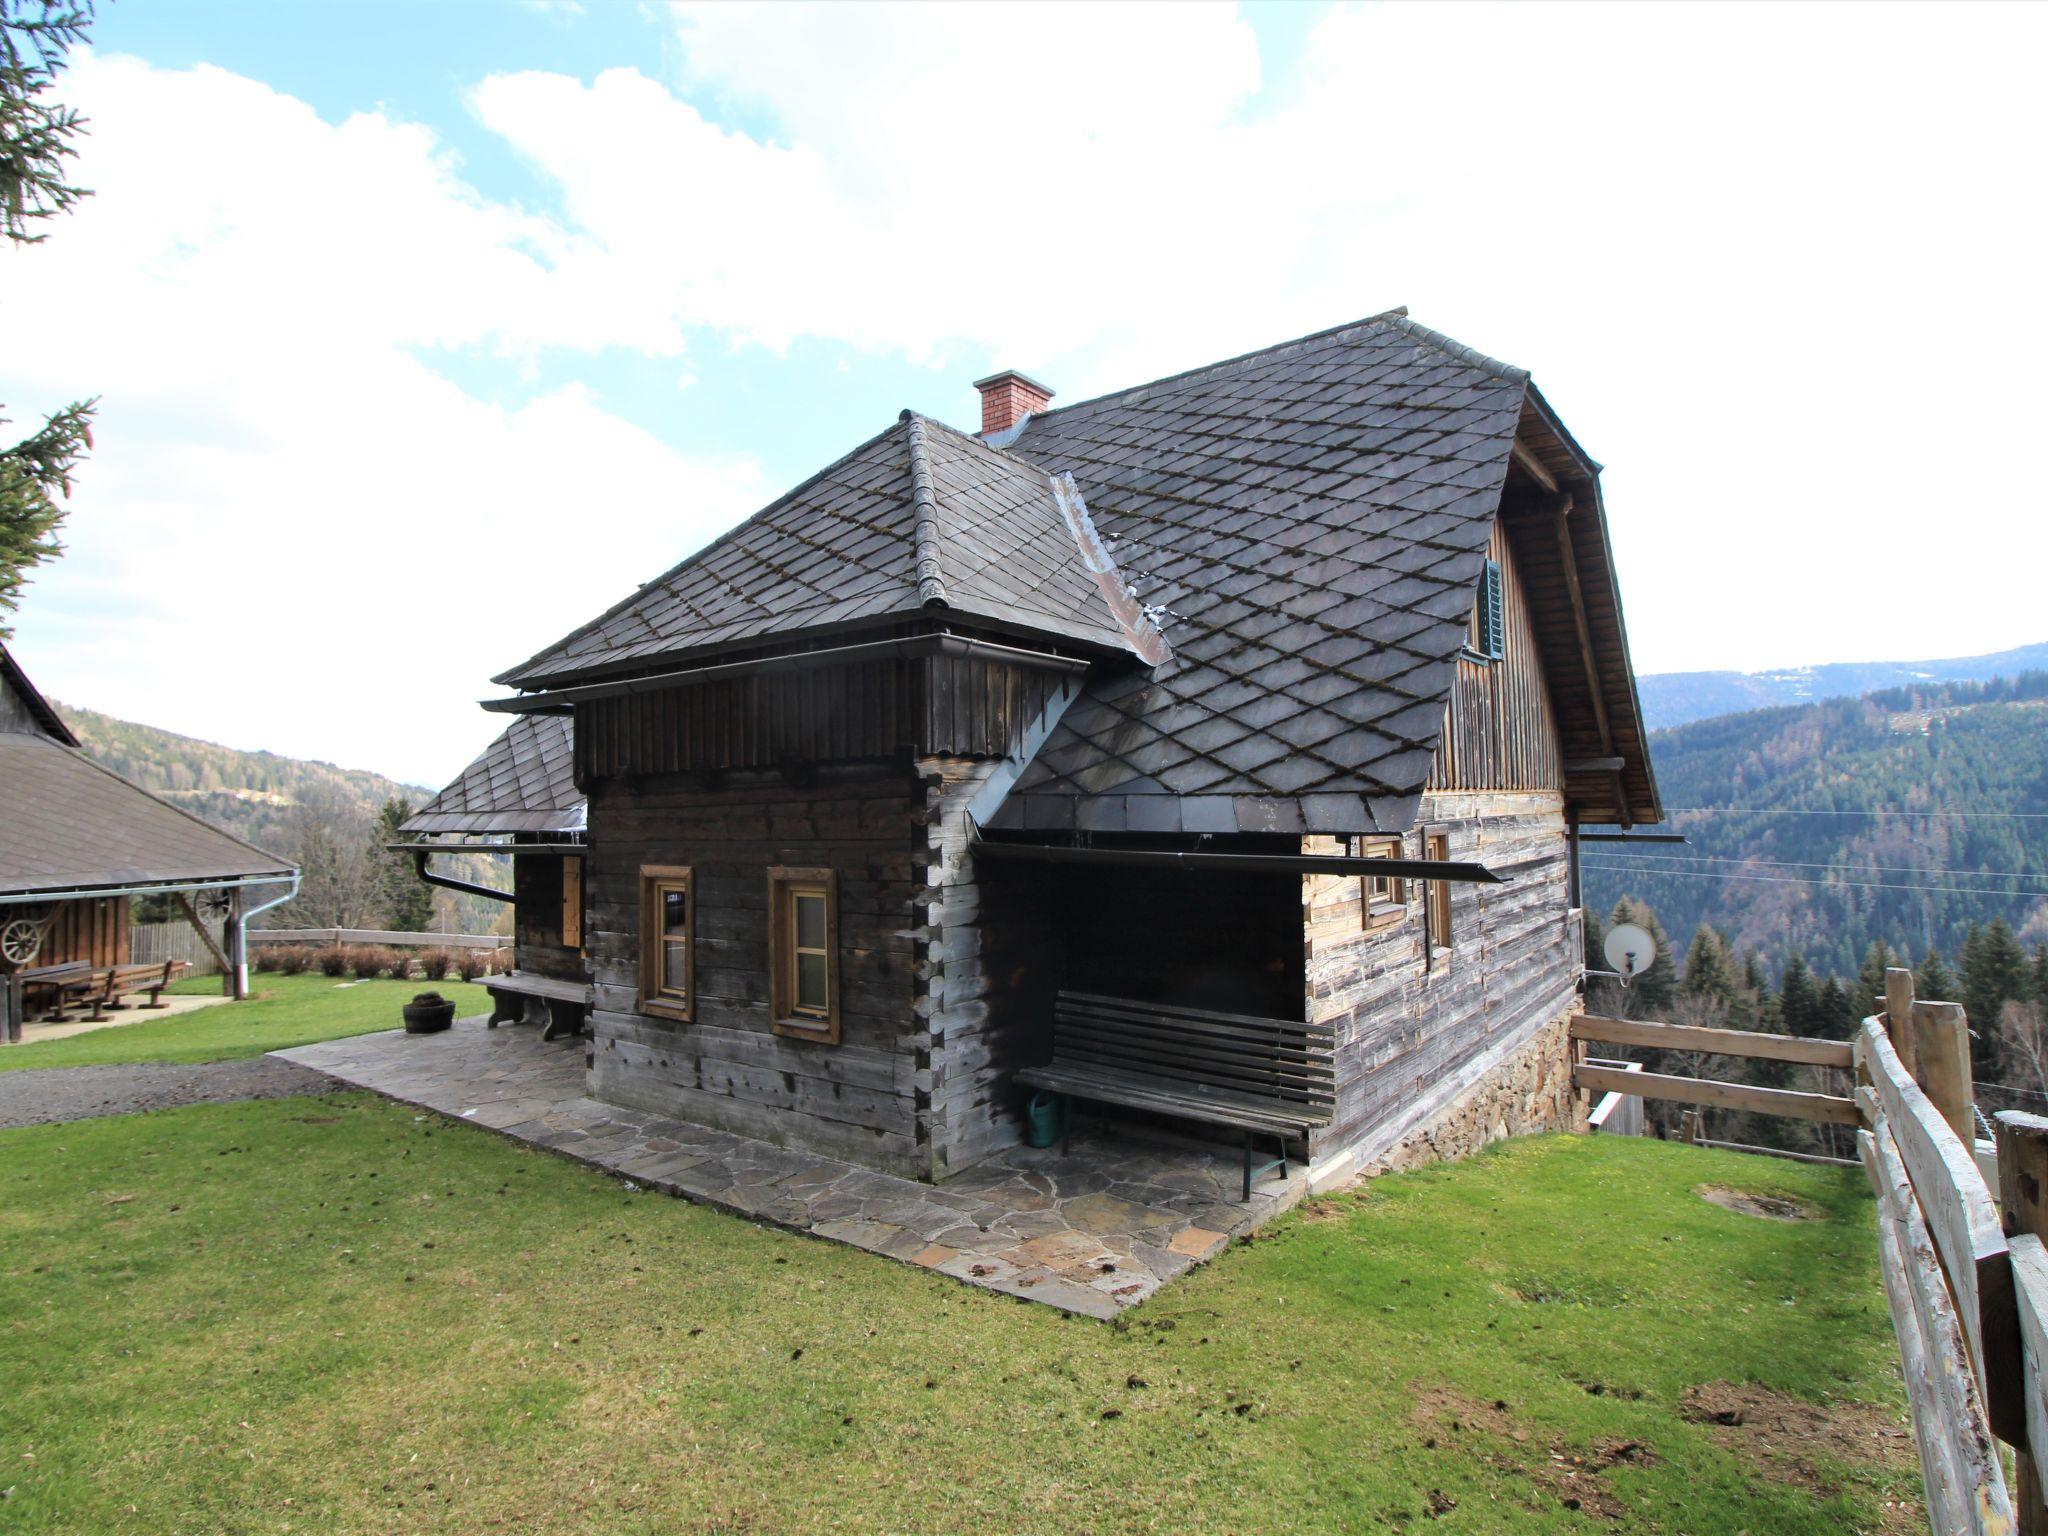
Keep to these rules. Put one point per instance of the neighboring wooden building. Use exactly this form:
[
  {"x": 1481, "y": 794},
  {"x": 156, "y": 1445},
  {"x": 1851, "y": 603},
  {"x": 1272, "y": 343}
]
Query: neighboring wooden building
[
  {"x": 875, "y": 776},
  {"x": 78, "y": 843}
]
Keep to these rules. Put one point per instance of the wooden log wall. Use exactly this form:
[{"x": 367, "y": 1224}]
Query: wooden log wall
[
  {"x": 1500, "y": 730},
  {"x": 872, "y": 711},
  {"x": 989, "y": 960},
  {"x": 855, "y": 1100},
  {"x": 1408, "y": 1022},
  {"x": 537, "y": 918}
]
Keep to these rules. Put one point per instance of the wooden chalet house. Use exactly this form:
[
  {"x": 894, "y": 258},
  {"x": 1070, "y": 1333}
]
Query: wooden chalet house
[
  {"x": 78, "y": 843},
  {"x": 1259, "y": 702}
]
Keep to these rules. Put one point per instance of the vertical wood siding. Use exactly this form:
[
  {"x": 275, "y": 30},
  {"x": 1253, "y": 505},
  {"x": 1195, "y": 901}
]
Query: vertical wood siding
[
  {"x": 726, "y": 1068},
  {"x": 1500, "y": 731},
  {"x": 872, "y": 711},
  {"x": 1407, "y": 1023},
  {"x": 94, "y": 931}
]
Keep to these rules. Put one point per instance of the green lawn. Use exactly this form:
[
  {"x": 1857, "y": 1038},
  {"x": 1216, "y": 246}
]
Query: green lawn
[
  {"x": 282, "y": 1011},
  {"x": 337, "y": 1315}
]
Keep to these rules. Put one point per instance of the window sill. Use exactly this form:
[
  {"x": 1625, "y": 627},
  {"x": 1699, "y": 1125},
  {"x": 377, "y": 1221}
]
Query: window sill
[
  {"x": 817, "y": 1031},
  {"x": 666, "y": 1008}
]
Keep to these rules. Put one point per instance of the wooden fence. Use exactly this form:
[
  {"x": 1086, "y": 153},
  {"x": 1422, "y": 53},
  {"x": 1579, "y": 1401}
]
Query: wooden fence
[
  {"x": 154, "y": 943},
  {"x": 377, "y": 936},
  {"x": 1961, "y": 1223}
]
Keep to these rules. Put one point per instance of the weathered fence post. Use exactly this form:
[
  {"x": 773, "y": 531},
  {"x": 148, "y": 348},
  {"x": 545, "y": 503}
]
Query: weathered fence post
[
  {"x": 1941, "y": 1064},
  {"x": 2023, "y": 1207},
  {"x": 1898, "y": 1017}
]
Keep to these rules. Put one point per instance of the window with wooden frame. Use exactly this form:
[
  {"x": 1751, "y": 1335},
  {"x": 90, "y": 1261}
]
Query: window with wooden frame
[
  {"x": 572, "y": 901},
  {"x": 1385, "y": 900},
  {"x": 668, "y": 941},
  {"x": 803, "y": 954},
  {"x": 1437, "y": 901}
]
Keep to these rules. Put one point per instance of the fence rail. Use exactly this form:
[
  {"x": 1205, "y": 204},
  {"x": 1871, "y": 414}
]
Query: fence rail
[
  {"x": 1961, "y": 1229},
  {"x": 376, "y": 936}
]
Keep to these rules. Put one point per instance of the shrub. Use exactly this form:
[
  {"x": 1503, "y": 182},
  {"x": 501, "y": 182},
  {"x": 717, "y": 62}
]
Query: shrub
[
  {"x": 262, "y": 957},
  {"x": 435, "y": 962},
  {"x": 398, "y": 960},
  {"x": 330, "y": 960},
  {"x": 368, "y": 960},
  {"x": 472, "y": 962},
  {"x": 287, "y": 959}
]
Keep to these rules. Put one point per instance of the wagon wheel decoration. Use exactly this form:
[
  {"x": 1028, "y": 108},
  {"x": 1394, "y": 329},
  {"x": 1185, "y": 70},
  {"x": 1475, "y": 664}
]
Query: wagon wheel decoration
[
  {"x": 214, "y": 904},
  {"x": 21, "y": 938}
]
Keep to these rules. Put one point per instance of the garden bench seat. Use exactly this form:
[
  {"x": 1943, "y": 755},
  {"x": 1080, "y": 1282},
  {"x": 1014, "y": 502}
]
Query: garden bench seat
[
  {"x": 1264, "y": 1077},
  {"x": 521, "y": 997},
  {"x": 127, "y": 980}
]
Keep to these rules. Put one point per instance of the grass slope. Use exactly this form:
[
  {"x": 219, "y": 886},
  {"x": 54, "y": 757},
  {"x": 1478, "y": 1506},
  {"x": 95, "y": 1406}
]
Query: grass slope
[
  {"x": 283, "y": 1010},
  {"x": 339, "y": 1316}
]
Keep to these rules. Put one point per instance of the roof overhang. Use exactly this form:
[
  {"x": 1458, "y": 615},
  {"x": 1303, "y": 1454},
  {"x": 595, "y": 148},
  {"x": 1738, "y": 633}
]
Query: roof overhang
[
  {"x": 941, "y": 643},
  {"x": 88, "y": 891},
  {"x": 1199, "y": 860}
]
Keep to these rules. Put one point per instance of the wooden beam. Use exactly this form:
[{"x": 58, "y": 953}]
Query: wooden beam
[
  {"x": 192, "y": 916},
  {"x": 1961, "y": 1218},
  {"x": 2023, "y": 1209},
  {"x": 1941, "y": 1045},
  {"x": 1534, "y": 467},
  {"x": 1898, "y": 1018},
  {"x": 1569, "y": 560},
  {"x": 1823, "y": 1107},
  {"x": 1714, "y": 1042},
  {"x": 1959, "y": 1462},
  {"x": 1596, "y": 765}
]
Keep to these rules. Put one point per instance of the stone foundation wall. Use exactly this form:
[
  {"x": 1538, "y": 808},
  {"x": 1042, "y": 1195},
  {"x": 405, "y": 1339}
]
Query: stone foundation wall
[{"x": 1528, "y": 1093}]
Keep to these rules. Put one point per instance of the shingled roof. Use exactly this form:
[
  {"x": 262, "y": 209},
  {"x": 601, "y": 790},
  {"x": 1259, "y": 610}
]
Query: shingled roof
[
  {"x": 921, "y": 520},
  {"x": 74, "y": 826},
  {"x": 1305, "y": 525},
  {"x": 525, "y": 782}
]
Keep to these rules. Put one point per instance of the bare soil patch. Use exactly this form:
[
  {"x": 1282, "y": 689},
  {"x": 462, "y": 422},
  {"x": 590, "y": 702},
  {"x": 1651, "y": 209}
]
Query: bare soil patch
[
  {"x": 1769, "y": 1207},
  {"x": 1795, "y": 1442},
  {"x": 1555, "y": 1474}
]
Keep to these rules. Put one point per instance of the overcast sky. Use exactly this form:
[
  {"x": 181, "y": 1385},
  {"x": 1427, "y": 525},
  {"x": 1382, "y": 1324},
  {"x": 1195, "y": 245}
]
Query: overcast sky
[{"x": 425, "y": 332}]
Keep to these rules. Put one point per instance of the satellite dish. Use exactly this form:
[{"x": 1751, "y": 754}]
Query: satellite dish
[{"x": 1630, "y": 951}]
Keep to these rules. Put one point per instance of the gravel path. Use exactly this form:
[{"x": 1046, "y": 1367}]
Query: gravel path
[{"x": 45, "y": 1095}]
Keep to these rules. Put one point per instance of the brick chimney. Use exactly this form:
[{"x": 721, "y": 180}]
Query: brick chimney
[{"x": 1007, "y": 398}]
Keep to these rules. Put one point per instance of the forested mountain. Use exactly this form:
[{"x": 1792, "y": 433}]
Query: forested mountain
[
  {"x": 1675, "y": 698},
  {"x": 1903, "y": 816},
  {"x": 324, "y": 817}
]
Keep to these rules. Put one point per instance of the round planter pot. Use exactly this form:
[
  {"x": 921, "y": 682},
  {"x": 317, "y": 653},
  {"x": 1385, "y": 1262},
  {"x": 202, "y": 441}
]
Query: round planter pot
[{"x": 428, "y": 1014}]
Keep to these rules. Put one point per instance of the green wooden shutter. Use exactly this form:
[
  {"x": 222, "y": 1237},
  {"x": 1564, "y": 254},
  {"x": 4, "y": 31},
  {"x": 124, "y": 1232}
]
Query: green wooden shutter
[{"x": 1493, "y": 623}]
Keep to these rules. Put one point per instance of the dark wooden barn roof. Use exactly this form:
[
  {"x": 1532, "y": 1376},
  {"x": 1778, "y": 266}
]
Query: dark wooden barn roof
[
  {"x": 525, "y": 782},
  {"x": 1305, "y": 525},
  {"x": 71, "y": 825}
]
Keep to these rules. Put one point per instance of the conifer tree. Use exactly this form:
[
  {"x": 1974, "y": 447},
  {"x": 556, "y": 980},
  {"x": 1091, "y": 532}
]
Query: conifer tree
[
  {"x": 1870, "y": 983},
  {"x": 1994, "y": 973},
  {"x": 37, "y": 137},
  {"x": 1936, "y": 980},
  {"x": 1706, "y": 966},
  {"x": 1799, "y": 1000},
  {"x": 408, "y": 901},
  {"x": 1835, "y": 1014}
]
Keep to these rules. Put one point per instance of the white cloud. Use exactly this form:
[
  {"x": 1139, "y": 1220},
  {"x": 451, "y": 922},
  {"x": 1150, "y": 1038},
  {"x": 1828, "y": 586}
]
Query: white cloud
[
  {"x": 1775, "y": 263},
  {"x": 295, "y": 533}
]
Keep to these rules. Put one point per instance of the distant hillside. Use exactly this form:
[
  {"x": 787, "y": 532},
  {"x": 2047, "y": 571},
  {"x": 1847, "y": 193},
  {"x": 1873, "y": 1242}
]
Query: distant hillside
[
  {"x": 1676, "y": 698},
  {"x": 1822, "y": 827},
  {"x": 255, "y": 794}
]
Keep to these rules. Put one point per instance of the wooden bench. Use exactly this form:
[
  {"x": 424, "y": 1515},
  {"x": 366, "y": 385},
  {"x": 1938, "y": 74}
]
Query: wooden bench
[
  {"x": 518, "y": 996},
  {"x": 1265, "y": 1077},
  {"x": 127, "y": 980}
]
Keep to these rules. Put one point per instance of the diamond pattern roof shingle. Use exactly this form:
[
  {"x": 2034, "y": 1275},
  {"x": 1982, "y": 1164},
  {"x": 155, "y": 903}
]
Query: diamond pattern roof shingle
[
  {"x": 1312, "y": 520},
  {"x": 845, "y": 547},
  {"x": 1306, "y": 523},
  {"x": 525, "y": 781}
]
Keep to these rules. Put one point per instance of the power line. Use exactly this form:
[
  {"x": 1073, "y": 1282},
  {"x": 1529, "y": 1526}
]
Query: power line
[
  {"x": 1779, "y": 810},
  {"x": 1872, "y": 885},
  {"x": 1895, "y": 869}
]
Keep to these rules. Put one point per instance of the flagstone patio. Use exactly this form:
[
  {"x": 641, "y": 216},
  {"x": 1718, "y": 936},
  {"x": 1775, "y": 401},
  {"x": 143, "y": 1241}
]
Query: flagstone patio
[{"x": 1091, "y": 1231}]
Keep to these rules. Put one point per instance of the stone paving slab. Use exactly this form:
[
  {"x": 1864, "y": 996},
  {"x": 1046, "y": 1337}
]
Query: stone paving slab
[{"x": 1090, "y": 1232}]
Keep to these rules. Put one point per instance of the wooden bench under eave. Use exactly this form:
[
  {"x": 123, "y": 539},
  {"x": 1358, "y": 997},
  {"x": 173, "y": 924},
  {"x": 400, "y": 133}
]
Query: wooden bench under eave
[
  {"x": 1271, "y": 1077},
  {"x": 515, "y": 996}
]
